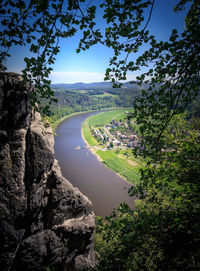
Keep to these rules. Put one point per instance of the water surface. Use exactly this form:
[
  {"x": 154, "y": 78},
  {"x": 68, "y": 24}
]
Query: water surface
[{"x": 103, "y": 187}]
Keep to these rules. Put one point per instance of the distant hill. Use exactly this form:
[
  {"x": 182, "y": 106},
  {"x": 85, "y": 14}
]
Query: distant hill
[
  {"x": 93, "y": 86},
  {"x": 81, "y": 97}
]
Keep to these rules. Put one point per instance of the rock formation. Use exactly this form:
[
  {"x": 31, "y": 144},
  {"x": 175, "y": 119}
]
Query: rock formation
[{"x": 44, "y": 220}]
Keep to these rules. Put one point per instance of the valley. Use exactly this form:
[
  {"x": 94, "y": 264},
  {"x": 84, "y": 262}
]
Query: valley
[{"x": 112, "y": 138}]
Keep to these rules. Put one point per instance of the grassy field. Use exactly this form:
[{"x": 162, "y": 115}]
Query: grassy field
[
  {"x": 87, "y": 135},
  {"x": 106, "y": 117},
  {"x": 120, "y": 161},
  {"x": 128, "y": 169},
  {"x": 106, "y": 94},
  {"x": 56, "y": 123}
]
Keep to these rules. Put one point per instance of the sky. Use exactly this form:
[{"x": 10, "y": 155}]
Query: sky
[{"x": 89, "y": 66}]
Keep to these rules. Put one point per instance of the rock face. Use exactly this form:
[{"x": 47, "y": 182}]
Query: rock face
[{"x": 44, "y": 220}]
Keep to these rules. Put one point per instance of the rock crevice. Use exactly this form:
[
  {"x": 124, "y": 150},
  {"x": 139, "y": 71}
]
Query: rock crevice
[{"x": 44, "y": 220}]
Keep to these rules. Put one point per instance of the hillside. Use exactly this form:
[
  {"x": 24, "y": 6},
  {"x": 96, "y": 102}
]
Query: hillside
[
  {"x": 94, "y": 86},
  {"x": 83, "y": 99}
]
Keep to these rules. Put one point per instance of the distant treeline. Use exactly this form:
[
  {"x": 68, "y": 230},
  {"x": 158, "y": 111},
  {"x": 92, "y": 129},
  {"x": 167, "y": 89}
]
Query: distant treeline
[{"x": 70, "y": 101}]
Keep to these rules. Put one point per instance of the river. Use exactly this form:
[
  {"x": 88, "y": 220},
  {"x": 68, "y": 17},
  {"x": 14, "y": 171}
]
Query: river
[{"x": 103, "y": 187}]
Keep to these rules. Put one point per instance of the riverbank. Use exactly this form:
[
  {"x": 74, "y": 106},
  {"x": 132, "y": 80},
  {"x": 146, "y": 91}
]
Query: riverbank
[
  {"x": 101, "y": 185},
  {"x": 94, "y": 151},
  {"x": 56, "y": 123},
  {"x": 120, "y": 161}
]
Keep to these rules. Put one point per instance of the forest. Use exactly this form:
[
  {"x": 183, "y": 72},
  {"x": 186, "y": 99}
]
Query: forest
[{"x": 70, "y": 101}]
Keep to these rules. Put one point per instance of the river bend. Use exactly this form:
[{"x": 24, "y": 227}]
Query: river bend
[{"x": 103, "y": 187}]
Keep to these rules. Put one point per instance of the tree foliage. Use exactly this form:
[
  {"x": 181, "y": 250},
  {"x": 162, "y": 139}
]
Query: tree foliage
[
  {"x": 74, "y": 101},
  {"x": 162, "y": 233},
  {"x": 174, "y": 79},
  {"x": 39, "y": 25}
]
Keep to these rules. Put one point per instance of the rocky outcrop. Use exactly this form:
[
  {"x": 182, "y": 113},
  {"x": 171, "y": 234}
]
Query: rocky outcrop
[{"x": 44, "y": 220}]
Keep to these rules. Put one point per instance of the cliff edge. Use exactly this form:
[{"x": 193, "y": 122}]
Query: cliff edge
[{"x": 44, "y": 220}]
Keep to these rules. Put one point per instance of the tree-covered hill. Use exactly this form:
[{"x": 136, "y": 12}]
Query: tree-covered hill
[
  {"x": 96, "y": 99},
  {"x": 70, "y": 101},
  {"x": 104, "y": 86}
]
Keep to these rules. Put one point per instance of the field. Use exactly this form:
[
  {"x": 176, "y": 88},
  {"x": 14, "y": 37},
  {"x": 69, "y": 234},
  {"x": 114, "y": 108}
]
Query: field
[
  {"x": 105, "y": 94},
  {"x": 103, "y": 118},
  {"x": 87, "y": 135},
  {"x": 122, "y": 166},
  {"x": 119, "y": 160}
]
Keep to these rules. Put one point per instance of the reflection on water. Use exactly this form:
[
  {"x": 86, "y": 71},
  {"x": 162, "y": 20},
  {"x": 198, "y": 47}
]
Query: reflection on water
[{"x": 103, "y": 187}]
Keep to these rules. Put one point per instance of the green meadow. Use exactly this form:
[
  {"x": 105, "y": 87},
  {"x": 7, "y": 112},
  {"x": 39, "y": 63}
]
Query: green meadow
[
  {"x": 87, "y": 135},
  {"x": 129, "y": 169},
  {"x": 120, "y": 161},
  {"x": 103, "y": 95},
  {"x": 103, "y": 118}
]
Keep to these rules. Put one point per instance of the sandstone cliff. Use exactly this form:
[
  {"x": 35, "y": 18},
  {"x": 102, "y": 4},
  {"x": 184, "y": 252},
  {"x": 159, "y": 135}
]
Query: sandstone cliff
[{"x": 44, "y": 220}]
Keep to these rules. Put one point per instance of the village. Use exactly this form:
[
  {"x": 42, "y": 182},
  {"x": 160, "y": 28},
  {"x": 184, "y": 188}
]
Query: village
[{"x": 116, "y": 134}]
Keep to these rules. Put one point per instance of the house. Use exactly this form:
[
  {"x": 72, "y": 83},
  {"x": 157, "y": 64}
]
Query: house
[
  {"x": 126, "y": 124},
  {"x": 124, "y": 137},
  {"x": 116, "y": 142},
  {"x": 98, "y": 134},
  {"x": 133, "y": 137},
  {"x": 118, "y": 133},
  {"x": 134, "y": 144}
]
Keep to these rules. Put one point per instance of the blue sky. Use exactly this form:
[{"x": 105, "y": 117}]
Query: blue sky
[{"x": 89, "y": 66}]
